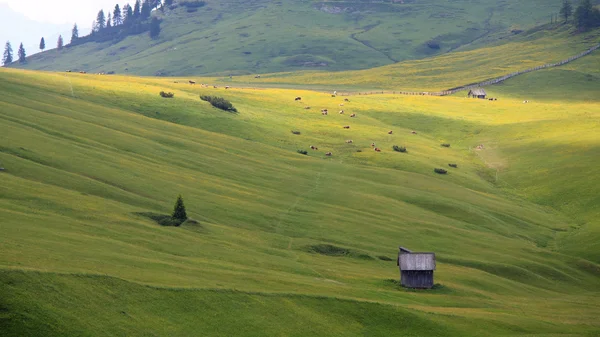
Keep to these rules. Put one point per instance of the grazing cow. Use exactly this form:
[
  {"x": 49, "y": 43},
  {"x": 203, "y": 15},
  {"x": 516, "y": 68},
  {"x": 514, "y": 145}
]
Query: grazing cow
[
  {"x": 341, "y": 112},
  {"x": 215, "y": 87},
  {"x": 306, "y": 107},
  {"x": 390, "y": 132},
  {"x": 495, "y": 99},
  {"x": 525, "y": 101},
  {"x": 328, "y": 154},
  {"x": 298, "y": 98},
  {"x": 349, "y": 141},
  {"x": 312, "y": 147},
  {"x": 192, "y": 82},
  {"x": 346, "y": 100},
  {"x": 341, "y": 104},
  {"x": 414, "y": 132},
  {"x": 347, "y": 127},
  {"x": 377, "y": 149},
  {"x": 324, "y": 113},
  {"x": 68, "y": 71},
  {"x": 353, "y": 115},
  {"x": 372, "y": 144},
  {"x": 227, "y": 87},
  {"x": 257, "y": 76},
  {"x": 82, "y": 72}
]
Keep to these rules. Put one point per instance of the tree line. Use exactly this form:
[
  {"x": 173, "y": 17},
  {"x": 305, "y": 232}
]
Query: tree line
[
  {"x": 118, "y": 24},
  {"x": 585, "y": 16}
]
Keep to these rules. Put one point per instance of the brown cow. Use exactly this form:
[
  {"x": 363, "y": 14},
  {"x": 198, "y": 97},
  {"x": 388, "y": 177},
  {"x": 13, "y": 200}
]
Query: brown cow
[
  {"x": 328, "y": 154},
  {"x": 377, "y": 149},
  {"x": 414, "y": 132},
  {"x": 353, "y": 115},
  {"x": 349, "y": 141},
  {"x": 298, "y": 98},
  {"x": 192, "y": 82},
  {"x": 306, "y": 107},
  {"x": 390, "y": 132},
  {"x": 346, "y": 126},
  {"x": 227, "y": 87},
  {"x": 341, "y": 112},
  {"x": 372, "y": 144},
  {"x": 346, "y": 100},
  {"x": 82, "y": 72}
]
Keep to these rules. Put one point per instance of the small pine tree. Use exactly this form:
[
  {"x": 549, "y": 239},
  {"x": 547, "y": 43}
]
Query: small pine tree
[
  {"x": 74, "y": 33},
  {"x": 566, "y": 10},
  {"x": 59, "y": 43},
  {"x": 100, "y": 20},
  {"x": 7, "y": 58},
  {"x": 136, "y": 9},
  {"x": 127, "y": 14},
  {"x": 145, "y": 10},
  {"x": 109, "y": 21},
  {"x": 117, "y": 18},
  {"x": 22, "y": 54},
  {"x": 179, "y": 210},
  {"x": 154, "y": 27},
  {"x": 42, "y": 44}
]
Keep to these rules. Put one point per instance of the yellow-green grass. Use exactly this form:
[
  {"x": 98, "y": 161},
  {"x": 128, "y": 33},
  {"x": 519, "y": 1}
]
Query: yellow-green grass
[
  {"x": 83, "y": 153},
  {"x": 543, "y": 45},
  {"x": 260, "y": 36}
]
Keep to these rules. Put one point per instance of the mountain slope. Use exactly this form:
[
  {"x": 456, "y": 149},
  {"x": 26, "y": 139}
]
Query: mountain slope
[
  {"x": 85, "y": 154},
  {"x": 246, "y": 37}
]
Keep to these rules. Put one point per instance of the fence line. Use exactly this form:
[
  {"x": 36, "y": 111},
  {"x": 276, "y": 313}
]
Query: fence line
[{"x": 480, "y": 84}]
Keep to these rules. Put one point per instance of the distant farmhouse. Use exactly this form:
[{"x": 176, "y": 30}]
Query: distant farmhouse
[
  {"x": 416, "y": 269},
  {"x": 477, "y": 93}
]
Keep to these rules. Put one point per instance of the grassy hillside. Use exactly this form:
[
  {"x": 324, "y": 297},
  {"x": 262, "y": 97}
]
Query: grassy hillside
[
  {"x": 538, "y": 46},
  {"x": 247, "y": 37},
  {"x": 514, "y": 227}
]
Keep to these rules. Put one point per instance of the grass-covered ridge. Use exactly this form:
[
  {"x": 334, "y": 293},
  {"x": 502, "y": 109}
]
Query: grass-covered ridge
[
  {"x": 248, "y": 37},
  {"x": 515, "y": 236}
]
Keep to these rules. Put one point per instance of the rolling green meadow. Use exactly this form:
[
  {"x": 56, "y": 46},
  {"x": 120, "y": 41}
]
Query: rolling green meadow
[
  {"x": 515, "y": 226},
  {"x": 260, "y": 36}
]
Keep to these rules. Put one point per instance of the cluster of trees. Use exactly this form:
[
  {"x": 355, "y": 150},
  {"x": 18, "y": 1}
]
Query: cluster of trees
[
  {"x": 121, "y": 22},
  {"x": 585, "y": 16},
  {"x": 8, "y": 57}
]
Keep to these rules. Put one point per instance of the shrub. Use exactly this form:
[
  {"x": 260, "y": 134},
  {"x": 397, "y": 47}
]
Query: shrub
[
  {"x": 399, "y": 148},
  {"x": 453, "y": 165},
  {"x": 166, "y": 94},
  {"x": 161, "y": 219},
  {"x": 385, "y": 258},
  {"x": 304, "y": 152},
  {"x": 440, "y": 171},
  {"x": 295, "y": 132},
  {"x": 219, "y": 102},
  {"x": 192, "y": 4},
  {"x": 446, "y": 145},
  {"x": 433, "y": 44}
]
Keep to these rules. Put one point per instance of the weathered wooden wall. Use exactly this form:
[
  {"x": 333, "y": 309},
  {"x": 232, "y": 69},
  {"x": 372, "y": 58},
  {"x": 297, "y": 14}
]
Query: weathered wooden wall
[
  {"x": 417, "y": 278},
  {"x": 417, "y": 261}
]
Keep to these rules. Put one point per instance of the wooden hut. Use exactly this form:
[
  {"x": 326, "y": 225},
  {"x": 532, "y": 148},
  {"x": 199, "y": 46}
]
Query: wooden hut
[
  {"x": 416, "y": 269},
  {"x": 477, "y": 93}
]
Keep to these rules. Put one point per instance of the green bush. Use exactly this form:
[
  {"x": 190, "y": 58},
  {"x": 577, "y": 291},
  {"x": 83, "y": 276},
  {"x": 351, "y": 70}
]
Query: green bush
[
  {"x": 440, "y": 171},
  {"x": 219, "y": 102},
  {"x": 166, "y": 94},
  {"x": 399, "y": 148}
]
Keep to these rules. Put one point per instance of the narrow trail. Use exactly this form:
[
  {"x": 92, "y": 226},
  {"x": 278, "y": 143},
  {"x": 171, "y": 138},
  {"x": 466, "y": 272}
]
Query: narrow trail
[
  {"x": 70, "y": 86},
  {"x": 366, "y": 29}
]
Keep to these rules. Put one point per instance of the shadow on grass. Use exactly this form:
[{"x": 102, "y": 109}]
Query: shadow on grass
[
  {"x": 167, "y": 220},
  {"x": 436, "y": 289},
  {"x": 331, "y": 250}
]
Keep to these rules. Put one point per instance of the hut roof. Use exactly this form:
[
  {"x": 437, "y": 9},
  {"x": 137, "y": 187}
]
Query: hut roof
[
  {"x": 417, "y": 261},
  {"x": 477, "y": 92},
  {"x": 405, "y": 250}
]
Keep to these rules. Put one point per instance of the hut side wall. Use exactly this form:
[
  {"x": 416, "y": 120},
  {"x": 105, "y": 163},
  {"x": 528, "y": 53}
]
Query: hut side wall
[{"x": 417, "y": 278}]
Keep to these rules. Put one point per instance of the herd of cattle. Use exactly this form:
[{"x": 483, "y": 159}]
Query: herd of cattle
[{"x": 325, "y": 112}]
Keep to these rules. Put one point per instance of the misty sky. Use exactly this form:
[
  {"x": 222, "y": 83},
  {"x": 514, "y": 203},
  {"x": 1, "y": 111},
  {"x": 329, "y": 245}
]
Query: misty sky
[{"x": 82, "y": 12}]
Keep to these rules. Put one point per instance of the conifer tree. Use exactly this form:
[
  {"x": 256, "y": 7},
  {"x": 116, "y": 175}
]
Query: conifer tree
[
  {"x": 59, "y": 43},
  {"x": 179, "y": 212},
  {"x": 154, "y": 27},
  {"x": 146, "y": 10},
  {"x": 74, "y": 33},
  {"x": 127, "y": 15},
  {"x": 566, "y": 10},
  {"x": 117, "y": 18},
  {"x": 137, "y": 9},
  {"x": 7, "y": 58},
  {"x": 109, "y": 21},
  {"x": 100, "y": 21},
  {"x": 42, "y": 44},
  {"x": 21, "y": 53}
]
